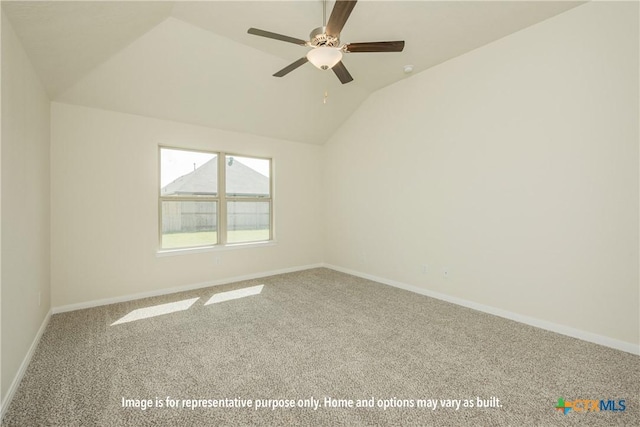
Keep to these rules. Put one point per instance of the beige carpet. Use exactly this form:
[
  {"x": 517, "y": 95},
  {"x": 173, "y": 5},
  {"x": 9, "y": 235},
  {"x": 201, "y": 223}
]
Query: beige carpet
[{"x": 314, "y": 334}]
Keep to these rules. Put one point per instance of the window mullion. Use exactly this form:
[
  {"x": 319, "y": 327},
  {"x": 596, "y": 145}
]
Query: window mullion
[{"x": 222, "y": 191}]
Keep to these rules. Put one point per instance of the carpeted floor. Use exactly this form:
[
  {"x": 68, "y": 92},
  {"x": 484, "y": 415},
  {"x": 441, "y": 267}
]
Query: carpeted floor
[{"x": 314, "y": 334}]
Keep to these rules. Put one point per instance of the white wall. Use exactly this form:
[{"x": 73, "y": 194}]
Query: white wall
[
  {"x": 104, "y": 182},
  {"x": 25, "y": 206},
  {"x": 514, "y": 166}
]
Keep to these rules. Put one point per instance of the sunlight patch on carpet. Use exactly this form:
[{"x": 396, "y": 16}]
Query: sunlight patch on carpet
[
  {"x": 156, "y": 310},
  {"x": 231, "y": 295}
]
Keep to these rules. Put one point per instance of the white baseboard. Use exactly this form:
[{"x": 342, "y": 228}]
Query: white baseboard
[
  {"x": 538, "y": 323},
  {"x": 23, "y": 367},
  {"x": 166, "y": 291}
]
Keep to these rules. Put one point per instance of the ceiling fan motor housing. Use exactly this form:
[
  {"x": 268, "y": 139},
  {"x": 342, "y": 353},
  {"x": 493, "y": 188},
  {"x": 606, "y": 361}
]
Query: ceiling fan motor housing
[{"x": 319, "y": 38}]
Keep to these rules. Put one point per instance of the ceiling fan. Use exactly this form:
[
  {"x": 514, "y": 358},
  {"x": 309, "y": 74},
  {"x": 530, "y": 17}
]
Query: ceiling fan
[{"x": 326, "y": 49}]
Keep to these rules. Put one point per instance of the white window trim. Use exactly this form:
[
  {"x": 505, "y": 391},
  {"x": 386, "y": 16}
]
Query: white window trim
[
  {"x": 217, "y": 248},
  {"x": 221, "y": 211}
]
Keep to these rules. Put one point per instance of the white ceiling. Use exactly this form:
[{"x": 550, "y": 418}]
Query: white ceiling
[{"x": 194, "y": 61}]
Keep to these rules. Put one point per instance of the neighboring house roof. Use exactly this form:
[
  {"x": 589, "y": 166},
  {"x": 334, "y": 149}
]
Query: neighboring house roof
[{"x": 241, "y": 181}]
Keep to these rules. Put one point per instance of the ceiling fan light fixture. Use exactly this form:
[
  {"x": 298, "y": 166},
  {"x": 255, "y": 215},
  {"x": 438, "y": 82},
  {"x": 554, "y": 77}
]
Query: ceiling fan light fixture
[{"x": 324, "y": 57}]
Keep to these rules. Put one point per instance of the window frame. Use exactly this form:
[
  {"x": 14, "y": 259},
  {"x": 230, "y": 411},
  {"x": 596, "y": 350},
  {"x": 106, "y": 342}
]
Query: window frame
[
  {"x": 225, "y": 199},
  {"x": 221, "y": 200}
]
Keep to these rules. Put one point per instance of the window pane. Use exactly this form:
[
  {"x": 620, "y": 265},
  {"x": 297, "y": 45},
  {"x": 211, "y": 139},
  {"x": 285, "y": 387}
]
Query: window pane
[
  {"x": 247, "y": 177},
  {"x": 188, "y": 173},
  {"x": 189, "y": 223},
  {"x": 247, "y": 221}
]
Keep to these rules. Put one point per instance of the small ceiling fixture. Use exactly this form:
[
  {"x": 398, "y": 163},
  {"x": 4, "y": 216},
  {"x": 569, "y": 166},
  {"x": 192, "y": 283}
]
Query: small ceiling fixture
[{"x": 324, "y": 57}]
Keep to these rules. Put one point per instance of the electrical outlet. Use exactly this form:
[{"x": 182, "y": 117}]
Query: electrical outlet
[
  {"x": 39, "y": 299},
  {"x": 217, "y": 260},
  {"x": 445, "y": 273},
  {"x": 425, "y": 269}
]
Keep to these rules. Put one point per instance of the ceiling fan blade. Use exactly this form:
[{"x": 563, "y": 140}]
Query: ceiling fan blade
[
  {"x": 339, "y": 16},
  {"x": 395, "y": 46},
  {"x": 342, "y": 73},
  {"x": 270, "y": 35},
  {"x": 289, "y": 68}
]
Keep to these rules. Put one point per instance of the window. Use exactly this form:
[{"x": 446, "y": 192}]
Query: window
[
  {"x": 209, "y": 198},
  {"x": 248, "y": 199}
]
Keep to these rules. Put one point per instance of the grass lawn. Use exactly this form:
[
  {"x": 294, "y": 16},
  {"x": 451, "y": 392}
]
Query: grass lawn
[{"x": 206, "y": 238}]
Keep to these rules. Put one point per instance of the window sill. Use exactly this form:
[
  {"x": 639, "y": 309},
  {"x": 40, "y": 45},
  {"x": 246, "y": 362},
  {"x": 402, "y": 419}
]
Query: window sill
[{"x": 217, "y": 248}]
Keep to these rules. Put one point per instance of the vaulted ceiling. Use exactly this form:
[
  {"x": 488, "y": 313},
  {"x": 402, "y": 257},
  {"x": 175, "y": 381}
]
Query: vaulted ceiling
[{"x": 194, "y": 61}]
